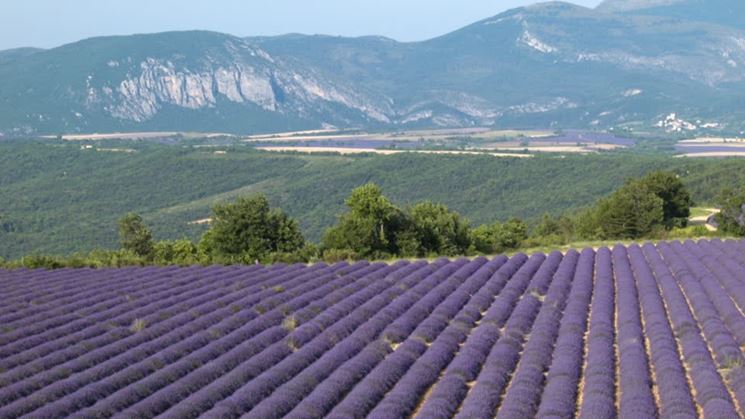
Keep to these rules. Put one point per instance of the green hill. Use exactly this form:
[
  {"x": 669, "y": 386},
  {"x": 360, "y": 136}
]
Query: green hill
[{"x": 59, "y": 198}]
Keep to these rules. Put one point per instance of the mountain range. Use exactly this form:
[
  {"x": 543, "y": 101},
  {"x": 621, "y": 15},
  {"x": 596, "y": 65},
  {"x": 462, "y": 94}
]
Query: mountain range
[{"x": 627, "y": 63}]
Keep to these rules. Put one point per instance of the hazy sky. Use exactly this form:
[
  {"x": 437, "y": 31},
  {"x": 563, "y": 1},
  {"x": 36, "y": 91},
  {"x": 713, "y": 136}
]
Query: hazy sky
[{"x": 49, "y": 23}]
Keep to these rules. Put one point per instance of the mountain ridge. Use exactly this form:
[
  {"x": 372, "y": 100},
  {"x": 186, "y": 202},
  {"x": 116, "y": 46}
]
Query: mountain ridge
[
  {"x": 626, "y": 5},
  {"x": 722, "y": 12},
  {"x": 551, "y": 64}
]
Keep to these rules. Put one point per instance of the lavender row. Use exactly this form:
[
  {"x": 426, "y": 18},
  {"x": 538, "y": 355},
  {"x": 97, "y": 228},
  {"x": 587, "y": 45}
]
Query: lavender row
[
  {"x": 674, "y": 392},
  {"x": 60, "y": 319},
  {"x": 35, "y": 311},
  {"x": 118, "y": 315},
  {"x": 406, "y": 395},
  {"x": 18, "y": 280},
  {"x": 102, "y": 334},
  {"x": 634, "y": 381},
  {"x": 190, "y": 332},
  {"x": 104, "y": 285},
  {"x": 711, "y": 395},
  {"x": 713, "y": 277},
  {"x": 19, "y": 292},
  {"x": 729, "y": 249},
  {"x": 522, "y": 397},
  {"x": 450, "y": 390},
  {"x": 254, "y": 336},
  {"x": 151, "y": 338},
  {"x": 728, "y": 274},
  {"x": 415, "y": 335},
  {"x": 119, "y": 285},
  {"x": 409, "y": 315},
  {"x": 485, "y": 396},
  {"x": 44, "y": 356},
  {"x": 652, "y": 331},
  {"x": 599, "y": 376},
  {"x": 559, "y": 398},
  {"x": 716, "y": 313},
  {"x": 364, "y": 321},
  {"x": 347, "y": 358},
  {"x": 37, "y": 283},
  {"x": 287, "y": 396}
]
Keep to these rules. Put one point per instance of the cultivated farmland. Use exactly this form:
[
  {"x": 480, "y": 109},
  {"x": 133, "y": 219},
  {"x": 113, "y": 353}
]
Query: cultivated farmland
[
  {"x": 634, "y": 332},
  {"x": 711, "y": 147},
  {"x": 451, "y": 141}
]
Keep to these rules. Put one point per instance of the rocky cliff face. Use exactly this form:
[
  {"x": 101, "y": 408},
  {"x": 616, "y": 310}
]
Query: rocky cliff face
[
  {"x": 140, "y": 96},
  {"x": 250, "y": 76}
]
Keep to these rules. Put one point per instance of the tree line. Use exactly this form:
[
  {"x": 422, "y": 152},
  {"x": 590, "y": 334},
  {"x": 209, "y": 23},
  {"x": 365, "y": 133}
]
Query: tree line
[
  {"x": 58, "y": 199},
  {"x": 249, "y": 230}
]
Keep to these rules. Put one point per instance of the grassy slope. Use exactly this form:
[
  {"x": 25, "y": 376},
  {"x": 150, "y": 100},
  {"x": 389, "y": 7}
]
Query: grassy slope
[{"x": 61, "y": 199}]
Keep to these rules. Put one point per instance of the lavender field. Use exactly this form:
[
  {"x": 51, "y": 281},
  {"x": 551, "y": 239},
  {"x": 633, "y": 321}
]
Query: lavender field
[{"x": 631, "y": 332}]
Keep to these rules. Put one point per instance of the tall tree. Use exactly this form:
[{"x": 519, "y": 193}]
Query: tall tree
[
  {"x": 732, "y": 218},
  {"x": 135, "y": 236},
  {"x": 248, "y": 230},
  {"x": 676, "y": 200},
  {"x": 498, "y": 237},
  {"x": 370, "y": 227},
  {"x": 629, "y": 213},
  {"x": 437, "y": 230}
]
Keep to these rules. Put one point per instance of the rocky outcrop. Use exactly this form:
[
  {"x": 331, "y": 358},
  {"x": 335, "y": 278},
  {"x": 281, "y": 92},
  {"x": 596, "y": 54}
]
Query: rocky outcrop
[
  {"x": 138, "y": 98},
  {"x": 247, "y": 77}
]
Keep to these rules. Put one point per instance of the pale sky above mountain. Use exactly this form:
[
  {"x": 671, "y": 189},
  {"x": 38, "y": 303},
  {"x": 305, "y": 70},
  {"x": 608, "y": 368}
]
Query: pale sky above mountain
[{"x": 49, "y": 23}]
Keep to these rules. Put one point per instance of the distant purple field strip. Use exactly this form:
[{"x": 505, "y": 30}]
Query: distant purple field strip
[
  {"x": 639, "y": 331},
  {"x": 352, "y": 143},
  {"x": 567, "y": 137},
  {"x": 584, "y": 137},
  {"x": 691, "y": 149}
]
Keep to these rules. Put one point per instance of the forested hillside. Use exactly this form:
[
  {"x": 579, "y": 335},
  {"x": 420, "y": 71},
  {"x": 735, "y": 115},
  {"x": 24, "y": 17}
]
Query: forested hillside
[{"x": 60, "y": 198}]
